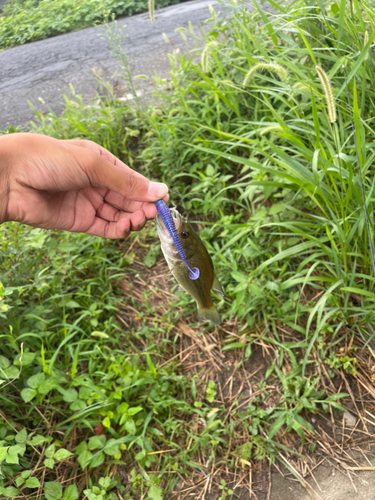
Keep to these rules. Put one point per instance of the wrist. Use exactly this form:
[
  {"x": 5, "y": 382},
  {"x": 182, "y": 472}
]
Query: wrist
[{"x": 4, "y": 177}]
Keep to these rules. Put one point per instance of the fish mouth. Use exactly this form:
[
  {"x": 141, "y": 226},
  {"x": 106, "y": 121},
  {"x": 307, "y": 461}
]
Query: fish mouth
[{"x": 163, "y": 232}]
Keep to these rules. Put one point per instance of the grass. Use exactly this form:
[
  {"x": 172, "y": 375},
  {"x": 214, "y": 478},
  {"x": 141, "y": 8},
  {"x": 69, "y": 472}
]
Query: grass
[
  {"x": 24, "y": 21},
  {"x": 122, "y": 390}
]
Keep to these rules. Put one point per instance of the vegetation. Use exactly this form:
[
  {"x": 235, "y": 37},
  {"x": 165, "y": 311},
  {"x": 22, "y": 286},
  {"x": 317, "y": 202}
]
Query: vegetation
[
  {"x": 108, "y": 385},
  {"x": 24, "y": 21}
]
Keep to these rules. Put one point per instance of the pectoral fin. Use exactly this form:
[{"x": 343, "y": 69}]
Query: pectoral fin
[
  {"x": 209, "y": 313},
  {"x": 216, "y": 287}
]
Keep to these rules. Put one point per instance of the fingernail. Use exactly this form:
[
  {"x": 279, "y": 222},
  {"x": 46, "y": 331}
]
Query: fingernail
[{"x": 157, "y": 190}]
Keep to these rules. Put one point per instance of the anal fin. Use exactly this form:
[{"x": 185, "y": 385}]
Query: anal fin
[{"x": 216, "y": 287}]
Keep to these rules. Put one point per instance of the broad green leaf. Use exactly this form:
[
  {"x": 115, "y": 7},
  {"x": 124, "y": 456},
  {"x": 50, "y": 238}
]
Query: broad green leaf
[
  {"x": 19, "y": 481},
  {"x": 72, "y": 304},
  {"x": 52, "y": 490},
  {"x": 28, "y": 394},
  {"x": 112, "y": 447},
  {"x": 239, "y": 277},
  {"x": 96, "y": 442},
  {"x": 47, "y": 386},
  {"x": 50, "y": 451},
  {"x": 4, "y": 363},
  {"x": 35, "y": 381},
  {"x": 71, "y": 493},
  {"x": 21, "y": 436},
  {"x": 27, "y": 359},
  {"x": 32, "y": 482},
  {"x": 277, "y": 208},
  {"x": 49, "y": 462},
  {"x": 13, "y": 452},
  {"x": 140, "y": 455},
  {"x": 70, "y": 395},
  {"x": 130, "y": 426},
  {"x": 10, "y": 492},
  {"x": 155, "y": 492},
  {"x": 3, "y": 452},
  {"x": 67, "y": 247},
  {"x": 105, "y": 482},
  {"x": 135, "y": 410},
  {"x": 97, "y": 460},
  {"x": 62, "y": 454},
  {"x": 10, "y": 373},
  {"x": 78, "y": 405},
  {"x": 25, "y": 474},
  {"x": 84, "y": 458},
  {"x": 81, "y": 447},
  {"x": 107, "y": 422},
  {"x": 37, "y": 440}
]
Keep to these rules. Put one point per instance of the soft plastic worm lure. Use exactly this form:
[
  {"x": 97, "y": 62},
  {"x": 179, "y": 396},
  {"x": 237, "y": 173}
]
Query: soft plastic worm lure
[{"x": 167, "y": 218}]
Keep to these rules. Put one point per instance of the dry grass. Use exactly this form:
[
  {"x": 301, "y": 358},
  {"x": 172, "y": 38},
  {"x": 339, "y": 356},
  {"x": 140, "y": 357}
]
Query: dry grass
[{"x": 347, "y": 449}]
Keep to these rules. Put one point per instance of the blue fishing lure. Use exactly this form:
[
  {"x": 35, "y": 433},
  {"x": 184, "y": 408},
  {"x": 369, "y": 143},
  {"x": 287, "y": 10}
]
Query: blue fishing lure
[{"x": 167, "y": 218}]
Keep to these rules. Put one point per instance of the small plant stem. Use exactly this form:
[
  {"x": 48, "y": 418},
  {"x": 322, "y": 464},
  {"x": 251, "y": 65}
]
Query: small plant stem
[
  {"x": 360, "y": 175},
  {"x": 342, "y": 197}
]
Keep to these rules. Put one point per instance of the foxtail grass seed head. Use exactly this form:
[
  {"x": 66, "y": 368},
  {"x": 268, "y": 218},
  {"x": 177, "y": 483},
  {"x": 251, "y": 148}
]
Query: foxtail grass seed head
[
  {"x": 328, "y": 93},
  {"x": 151, "y": 9},
  {"x": 271, "y": 128},
  {"x": 205, "y": 56},
  {"x": 280, "y": 71},
  {"x": 165, "y": 38}
]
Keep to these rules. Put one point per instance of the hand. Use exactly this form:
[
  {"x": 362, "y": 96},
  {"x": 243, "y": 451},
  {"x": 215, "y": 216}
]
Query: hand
[{"x": 74, "y": 185}]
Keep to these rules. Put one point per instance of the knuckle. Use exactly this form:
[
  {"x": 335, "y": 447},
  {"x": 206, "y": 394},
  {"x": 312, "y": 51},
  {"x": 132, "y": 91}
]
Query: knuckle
[{"x": 135, "y": 183}]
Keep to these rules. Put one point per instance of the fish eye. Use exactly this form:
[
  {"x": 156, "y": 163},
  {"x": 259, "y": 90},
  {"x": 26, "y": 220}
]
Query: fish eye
[{"x": 185, "y": 234}]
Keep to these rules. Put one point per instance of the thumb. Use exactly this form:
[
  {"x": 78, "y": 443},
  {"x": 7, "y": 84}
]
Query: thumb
[{"x": 112, "y": 174}]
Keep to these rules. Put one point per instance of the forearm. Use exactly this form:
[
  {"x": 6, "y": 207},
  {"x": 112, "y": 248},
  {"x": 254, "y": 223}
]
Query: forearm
[{"x": 4, "y": 178}]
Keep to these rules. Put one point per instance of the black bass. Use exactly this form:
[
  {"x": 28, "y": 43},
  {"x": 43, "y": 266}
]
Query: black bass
[{"x": 197, "y": 257}]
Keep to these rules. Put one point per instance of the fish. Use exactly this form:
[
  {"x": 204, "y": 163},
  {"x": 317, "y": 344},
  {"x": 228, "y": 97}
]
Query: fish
[{"x": 197, "y": 257}]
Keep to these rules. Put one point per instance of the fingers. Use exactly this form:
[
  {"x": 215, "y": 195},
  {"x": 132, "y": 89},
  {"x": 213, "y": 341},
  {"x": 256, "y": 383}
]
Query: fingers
[
  {"x": 127, "y": 205},
  {"x": 105, "y": 170},
  {"x": 110, "y": 230},
  {"x": 119, "y": 229},
  {"x": 111, "y": 214}
]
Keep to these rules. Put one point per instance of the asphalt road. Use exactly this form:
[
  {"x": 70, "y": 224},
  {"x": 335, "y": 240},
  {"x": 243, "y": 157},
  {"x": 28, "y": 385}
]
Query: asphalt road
[{"x": 44, "y": 69}]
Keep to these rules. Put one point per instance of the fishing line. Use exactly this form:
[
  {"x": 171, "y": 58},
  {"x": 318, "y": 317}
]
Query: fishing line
[{"x": 360, "y": 175}]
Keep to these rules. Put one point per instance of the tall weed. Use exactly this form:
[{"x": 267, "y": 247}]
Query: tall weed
[{"x": 254, "y": 145}]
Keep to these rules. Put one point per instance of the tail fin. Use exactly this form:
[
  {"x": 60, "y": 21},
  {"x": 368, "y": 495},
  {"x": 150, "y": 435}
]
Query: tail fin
[{"x": 209, "y": 313}]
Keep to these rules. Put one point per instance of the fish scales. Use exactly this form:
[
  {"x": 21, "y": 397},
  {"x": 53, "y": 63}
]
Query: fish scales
[{"x": 197, "y": 256}]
